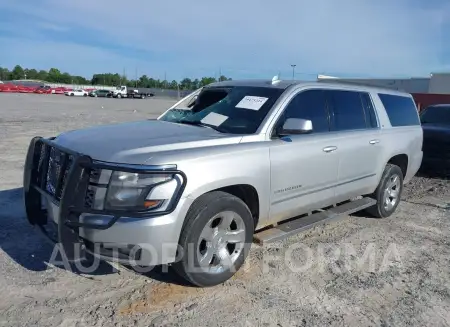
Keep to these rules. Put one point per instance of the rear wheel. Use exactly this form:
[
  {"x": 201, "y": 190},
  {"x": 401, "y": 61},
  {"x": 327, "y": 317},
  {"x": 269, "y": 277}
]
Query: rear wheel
[
  {"x": 388, "y": 192},
  {"x": 71, "y": 94},
  {"x": 215, "y": 239},
  {"x": 119, "y": 96}
]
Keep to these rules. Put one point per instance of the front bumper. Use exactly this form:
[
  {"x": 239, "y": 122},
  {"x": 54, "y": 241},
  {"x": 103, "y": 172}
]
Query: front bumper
[{"x": 141, "y": 238}]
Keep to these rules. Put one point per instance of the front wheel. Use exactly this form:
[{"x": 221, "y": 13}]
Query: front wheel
[
  {"x": 388, "y": 192},
  {"x": 215, "y": 239},
  {"x": 119, "y": 96}
]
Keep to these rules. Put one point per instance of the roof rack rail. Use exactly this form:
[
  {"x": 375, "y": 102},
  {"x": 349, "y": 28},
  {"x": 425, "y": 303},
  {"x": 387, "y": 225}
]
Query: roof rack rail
[{"x": 358, "y": 83}]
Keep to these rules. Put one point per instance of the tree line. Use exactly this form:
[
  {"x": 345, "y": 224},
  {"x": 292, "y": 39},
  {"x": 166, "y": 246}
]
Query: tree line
[{"x": 54, "y": 75}]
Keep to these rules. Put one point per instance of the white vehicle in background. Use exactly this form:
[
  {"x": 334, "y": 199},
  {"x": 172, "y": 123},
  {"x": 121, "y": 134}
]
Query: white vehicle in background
[
  {"x": 132, "y": 93},
  {"x": 76, "y": 92}
]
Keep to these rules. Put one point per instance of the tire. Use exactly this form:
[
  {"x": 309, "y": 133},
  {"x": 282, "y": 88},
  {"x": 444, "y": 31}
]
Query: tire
[
  {"x": 142, "y": 96},
  {"x": 207, "y": 219},
  {"x": 71, "y": 94},
  {"x": 381, "y": 209},
  {"x": 119, "y": 96},
  {"x": 85, "y": 95}
]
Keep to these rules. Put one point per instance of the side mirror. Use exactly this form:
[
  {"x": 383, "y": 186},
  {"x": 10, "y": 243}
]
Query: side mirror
[{"x": 294, "y": 126}]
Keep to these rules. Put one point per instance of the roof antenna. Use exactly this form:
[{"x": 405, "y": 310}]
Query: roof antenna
[{"x": 275, "y": 80}]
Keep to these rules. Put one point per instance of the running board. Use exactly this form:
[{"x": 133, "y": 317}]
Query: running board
[{"x": 301, "y": 224}]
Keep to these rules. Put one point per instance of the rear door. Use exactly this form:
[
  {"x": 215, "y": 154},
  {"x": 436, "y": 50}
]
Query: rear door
[{"x": 355, "y": 127}]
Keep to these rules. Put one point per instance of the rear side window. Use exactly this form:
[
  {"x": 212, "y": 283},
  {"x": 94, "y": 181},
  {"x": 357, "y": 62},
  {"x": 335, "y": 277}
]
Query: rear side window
[
  {"x": 310, "y": 105},
  {"x": 349, "y": 113},
  {"x": 401, "y": 110}
]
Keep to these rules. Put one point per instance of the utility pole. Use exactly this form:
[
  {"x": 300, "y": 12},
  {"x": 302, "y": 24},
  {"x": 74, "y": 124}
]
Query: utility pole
[
  {"x": 293, "y": 71},
  {"x": 220, "y": 73},
  {"x": 136, "y": 78},
  {"x": 165, "y": 80}
]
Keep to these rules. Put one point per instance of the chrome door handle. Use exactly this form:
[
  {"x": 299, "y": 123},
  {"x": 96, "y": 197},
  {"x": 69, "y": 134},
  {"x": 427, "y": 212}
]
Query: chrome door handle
[
  {"x": 374, "y": 141},
  {"x": 330, "y": 149}
]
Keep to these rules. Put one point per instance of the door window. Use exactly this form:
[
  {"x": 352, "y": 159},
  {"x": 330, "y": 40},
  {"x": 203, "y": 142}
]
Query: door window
[
  {"x": 371, "y": 117},
  {"x": 311, "y": 105},
  {"x": 348, "y": 111}
]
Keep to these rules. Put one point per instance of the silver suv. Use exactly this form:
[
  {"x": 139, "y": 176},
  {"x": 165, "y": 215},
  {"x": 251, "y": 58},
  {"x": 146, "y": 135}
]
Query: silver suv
[{"x": 230, "y": 164}]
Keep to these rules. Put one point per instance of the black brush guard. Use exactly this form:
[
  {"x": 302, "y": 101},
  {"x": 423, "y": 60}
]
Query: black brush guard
[{"x": 69, "y": 194}]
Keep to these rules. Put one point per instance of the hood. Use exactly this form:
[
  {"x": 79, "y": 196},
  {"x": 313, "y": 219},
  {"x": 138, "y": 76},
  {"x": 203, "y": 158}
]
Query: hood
[{"x": 135, "y": 142}]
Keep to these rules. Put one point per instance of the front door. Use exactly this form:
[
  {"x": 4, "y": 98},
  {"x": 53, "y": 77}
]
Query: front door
[{"x": 304, "y": 168}]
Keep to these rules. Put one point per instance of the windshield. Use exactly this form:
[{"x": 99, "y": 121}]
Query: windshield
[
  {"x": 436, "y": 115},
  {"x": 235, "y": 109}
]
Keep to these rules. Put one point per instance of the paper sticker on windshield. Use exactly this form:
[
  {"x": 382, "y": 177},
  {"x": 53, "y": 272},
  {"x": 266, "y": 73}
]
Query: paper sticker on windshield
[
  {"x": 251, "y": 102},
  {"x": 214, "y": 119}
]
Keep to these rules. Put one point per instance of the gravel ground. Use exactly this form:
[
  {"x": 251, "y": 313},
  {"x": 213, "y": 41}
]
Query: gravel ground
[{"x": 355, "y": 272}]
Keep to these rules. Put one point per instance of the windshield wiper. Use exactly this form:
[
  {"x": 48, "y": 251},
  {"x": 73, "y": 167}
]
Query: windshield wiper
[{"x": 199, "y": 123}]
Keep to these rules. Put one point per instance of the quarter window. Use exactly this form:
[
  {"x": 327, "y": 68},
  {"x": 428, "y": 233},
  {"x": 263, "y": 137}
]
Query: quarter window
[
  {"x": 348, "y": 110},
  {"x": 401, "y": 110},
  {"x": 311, "y": 105}
]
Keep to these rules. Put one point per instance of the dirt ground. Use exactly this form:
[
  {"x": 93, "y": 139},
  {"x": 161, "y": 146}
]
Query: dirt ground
[{"x": 355, "y": 272}]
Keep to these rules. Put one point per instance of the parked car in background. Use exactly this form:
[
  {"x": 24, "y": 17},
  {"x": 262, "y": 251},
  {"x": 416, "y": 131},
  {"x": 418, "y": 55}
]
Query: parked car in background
[
  {"x": 59, "y": 90},
  {"x": 235, "y": 161},
  {"x": 44, "y": 89},
  {"x": 76, "y": 92},
  {"x": 100, "y": 93},
  {"x": 435, "y": 121}
]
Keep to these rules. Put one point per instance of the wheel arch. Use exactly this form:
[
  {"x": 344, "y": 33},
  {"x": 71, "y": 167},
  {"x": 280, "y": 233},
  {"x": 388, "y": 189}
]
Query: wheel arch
[
  {"x": 246, "y": 191},
  {"x": 401, "y": 160}
]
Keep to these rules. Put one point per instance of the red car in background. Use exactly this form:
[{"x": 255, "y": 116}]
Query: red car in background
[
  {"x": 25, "y": 89},
  {"x": 34, "y": 87},
  {"x": 59, "y": 90},
  {"x": 43, "y": 90},
  {"x": 8, "y": 87}
]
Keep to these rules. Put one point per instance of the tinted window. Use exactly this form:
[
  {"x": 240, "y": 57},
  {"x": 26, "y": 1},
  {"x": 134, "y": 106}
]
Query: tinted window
[
  {"x": 436, "y": 115},
  {"x": 309, "y": 105},
  {"x": 348, "y": 110},
  {"x": 234, "y": 109},
  {"x": 371, "y": 117},
  {"x": 401, "y": 110}
]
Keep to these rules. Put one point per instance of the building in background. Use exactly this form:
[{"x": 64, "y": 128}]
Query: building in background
[
  {"x": 426, "y": 91},
  {"x": 410, "y": 85}
]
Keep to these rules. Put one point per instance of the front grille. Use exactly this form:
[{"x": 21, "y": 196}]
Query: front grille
[{"x": 57, "y": 165}]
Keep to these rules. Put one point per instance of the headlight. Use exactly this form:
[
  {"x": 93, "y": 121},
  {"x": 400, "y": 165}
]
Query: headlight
[{"x": 132, "y": 191}]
